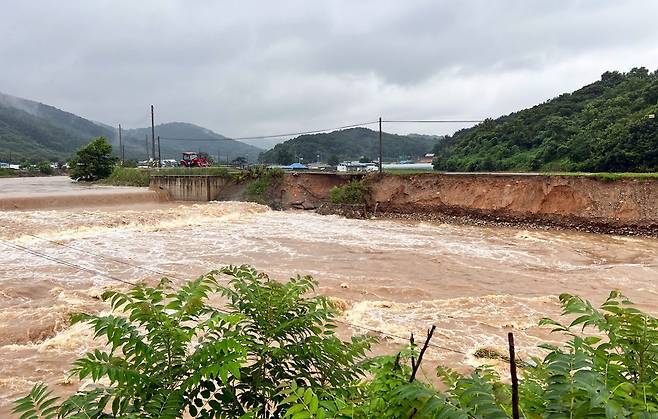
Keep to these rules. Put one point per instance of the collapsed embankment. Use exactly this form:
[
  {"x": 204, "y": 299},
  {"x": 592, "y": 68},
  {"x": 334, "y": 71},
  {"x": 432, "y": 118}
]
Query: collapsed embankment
[{"x": 628, "y": 206}]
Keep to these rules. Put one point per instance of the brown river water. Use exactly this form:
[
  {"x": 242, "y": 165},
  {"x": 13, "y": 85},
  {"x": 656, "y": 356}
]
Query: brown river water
[{"x": 474, "y": 283}]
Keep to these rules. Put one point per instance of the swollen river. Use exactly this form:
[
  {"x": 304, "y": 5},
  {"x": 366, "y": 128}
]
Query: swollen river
[{"x": 474, "y": 283}]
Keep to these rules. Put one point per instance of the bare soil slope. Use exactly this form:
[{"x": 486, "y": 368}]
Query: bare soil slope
[{"x": 626, "y": 205}]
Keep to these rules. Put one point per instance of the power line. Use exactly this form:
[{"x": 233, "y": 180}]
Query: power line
[
  {"x": 143, "y": 268},
  {"x": 64, "y": 262},
  {"x": 317, "y": 131},
  {"x": 258, "y": 137},
  {"x": 433, "y": 121}
]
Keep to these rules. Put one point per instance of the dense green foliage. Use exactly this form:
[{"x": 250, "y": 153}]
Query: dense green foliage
[
  {"x": 349, "y": 144},
  {"x": 33, "y": 131},
  {"x": 173, "y": 353},
  {"x": 605, "y": 127},
  {"x": 127, "y": 176},
  {"x": 93, "y": 161},
  {"x": 272, "y": 353},
  {"x": 7, "y": 172},
  {"x": 353, "y": 192}
]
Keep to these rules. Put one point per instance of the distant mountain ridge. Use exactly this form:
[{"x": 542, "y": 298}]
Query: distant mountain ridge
[
  {"x": 350, "y": 144},
  {"x": 32, "y": 130},
  {"x": 35, "y": 131},
  {"x": 177, "y": 137}
]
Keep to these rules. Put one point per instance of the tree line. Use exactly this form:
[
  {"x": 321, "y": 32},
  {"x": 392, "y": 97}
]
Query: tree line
[{"x": 607, "y": 126}]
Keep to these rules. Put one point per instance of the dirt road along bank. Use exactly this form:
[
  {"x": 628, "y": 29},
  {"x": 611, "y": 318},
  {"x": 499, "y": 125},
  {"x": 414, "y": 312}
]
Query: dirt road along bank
[{"x": 623, "y": 206}]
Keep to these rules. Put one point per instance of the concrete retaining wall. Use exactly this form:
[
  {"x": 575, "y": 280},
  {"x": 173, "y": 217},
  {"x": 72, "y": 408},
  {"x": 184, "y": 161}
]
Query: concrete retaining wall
[{"x": 189, "y": 187}]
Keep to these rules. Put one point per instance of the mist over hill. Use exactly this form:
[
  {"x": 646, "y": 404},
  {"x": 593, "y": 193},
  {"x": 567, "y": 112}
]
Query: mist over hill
[
  {"x": 30, "y": 130},
  {"x": 34, "y": 131}
]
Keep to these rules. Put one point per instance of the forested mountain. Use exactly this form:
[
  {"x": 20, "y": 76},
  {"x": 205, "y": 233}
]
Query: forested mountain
[
  {"x": 177, "y": 137},
  {"x": 609, "y": 125},
  {"x": 33, "y": 131},
  {"x": 349, "y": 144}
]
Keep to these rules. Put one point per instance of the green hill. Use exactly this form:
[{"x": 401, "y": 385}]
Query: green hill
[
  {"x": 33, "y": 131},
  {"x": 609, "y": 125},
  {"x": 350, "y": 144}
]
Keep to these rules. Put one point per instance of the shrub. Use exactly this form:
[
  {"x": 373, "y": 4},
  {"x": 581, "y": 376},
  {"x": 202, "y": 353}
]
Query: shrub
[
  {"x": 170, "y": 352},
  {"x": 353, "y": 192},
  {"x": 93, "y": 161},
  {"x": 45, "y": 168},
  {"x": 272, "y": 353},
  {"x": 262, "y": 178}
]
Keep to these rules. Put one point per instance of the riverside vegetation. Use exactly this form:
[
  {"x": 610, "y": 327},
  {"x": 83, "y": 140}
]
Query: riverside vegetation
[
  {"x": 354, "y": 192},
  {"x": 272, "y": 353}
]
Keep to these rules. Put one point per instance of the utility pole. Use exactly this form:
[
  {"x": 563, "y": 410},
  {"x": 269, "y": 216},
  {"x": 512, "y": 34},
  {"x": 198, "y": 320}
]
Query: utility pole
[
  {"x": 153, "y": 132},
  {"x": 381, "y": 153},
  {"x": 159, "y": 155},
  {"x": 515, "y": 380},
  {"x": 120, "y": 146}
]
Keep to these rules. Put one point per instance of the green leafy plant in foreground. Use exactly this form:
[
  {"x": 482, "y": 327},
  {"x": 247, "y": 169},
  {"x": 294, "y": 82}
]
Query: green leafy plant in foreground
[
  {"x": 170, "y": 352},
  {"x": 272, "y": 354}
]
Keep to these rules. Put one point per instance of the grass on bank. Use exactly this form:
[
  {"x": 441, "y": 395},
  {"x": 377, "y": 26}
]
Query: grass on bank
[
  {"x": 8, "y": 172},
  {"x": 130, "y": 176},
  {"x": 196, "y": 171},
  {"x": 408, "y": 171},
  {"x": 127, "y": 176},
  {"x": 605, "y": 176},
  {"x": 608, "y": 176}
]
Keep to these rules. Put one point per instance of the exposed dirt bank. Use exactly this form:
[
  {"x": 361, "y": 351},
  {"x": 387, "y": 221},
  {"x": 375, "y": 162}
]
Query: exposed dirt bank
[{"x": 624, "y": 206}]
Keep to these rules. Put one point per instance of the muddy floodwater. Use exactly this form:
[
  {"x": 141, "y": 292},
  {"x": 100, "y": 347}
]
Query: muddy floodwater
[{"x": 474, "y": 283}]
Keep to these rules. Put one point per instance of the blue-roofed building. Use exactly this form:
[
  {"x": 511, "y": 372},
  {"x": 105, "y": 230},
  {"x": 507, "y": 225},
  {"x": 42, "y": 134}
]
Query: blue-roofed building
[{"x": 297, "y": 166}]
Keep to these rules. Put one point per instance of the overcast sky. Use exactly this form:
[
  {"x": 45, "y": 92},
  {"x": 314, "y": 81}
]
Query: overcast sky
[{"x": 250, "y": 68}]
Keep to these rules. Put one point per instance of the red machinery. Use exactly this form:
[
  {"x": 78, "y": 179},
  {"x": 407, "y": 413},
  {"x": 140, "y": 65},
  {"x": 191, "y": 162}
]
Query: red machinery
[{"x": 193, "y": 159}]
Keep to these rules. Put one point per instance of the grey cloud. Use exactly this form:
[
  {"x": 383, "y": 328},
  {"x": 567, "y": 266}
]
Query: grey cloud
[{"x": 249, "y": 67}]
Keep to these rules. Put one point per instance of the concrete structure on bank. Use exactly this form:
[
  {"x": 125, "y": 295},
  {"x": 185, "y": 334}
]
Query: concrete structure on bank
[{"x": 190, "y": 187}]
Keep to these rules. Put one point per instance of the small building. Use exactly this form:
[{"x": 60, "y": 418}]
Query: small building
[
  {"x": 427, "y": 158},
  {"x": 355, "y": 166}
]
